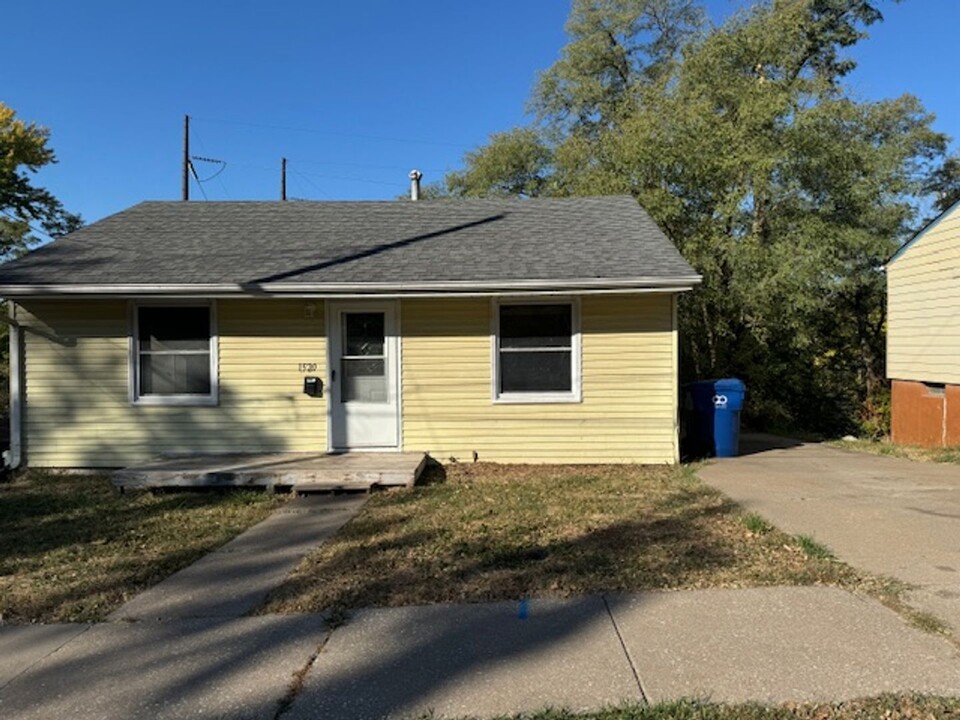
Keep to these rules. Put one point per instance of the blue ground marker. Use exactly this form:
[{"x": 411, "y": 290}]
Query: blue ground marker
[{"x": 523, "y": 610}]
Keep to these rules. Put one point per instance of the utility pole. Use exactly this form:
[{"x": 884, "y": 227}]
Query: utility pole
[
  {"x": 283, "y": 179},
  {"x": 185, "y": 185}
]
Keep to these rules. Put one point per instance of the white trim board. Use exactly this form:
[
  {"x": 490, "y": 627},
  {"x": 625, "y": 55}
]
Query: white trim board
[
  {"x": 576, "y": 355},
  {"x": 133, "y": 364},
  {"x": 351, "y": 290}
]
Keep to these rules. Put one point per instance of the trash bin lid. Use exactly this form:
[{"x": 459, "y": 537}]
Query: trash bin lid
[{"x": 730, "y": 384}]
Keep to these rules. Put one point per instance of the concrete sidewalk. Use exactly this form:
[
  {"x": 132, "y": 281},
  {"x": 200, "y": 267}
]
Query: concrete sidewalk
[
  {"x": 886, "y": 515},
  {"x": 766, "y": 644},
  {"x": 200, "y": 669}
]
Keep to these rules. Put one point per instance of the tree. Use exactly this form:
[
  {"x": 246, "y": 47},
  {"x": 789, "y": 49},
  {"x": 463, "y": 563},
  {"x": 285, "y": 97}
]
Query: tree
[
  {"x": 24, "y": 207},
  {"x": 515, "y": 163},
  {"x": 785, "y": 192},
  {"x": 615, "y": 45},
  {"x": 944, "y": 184}
]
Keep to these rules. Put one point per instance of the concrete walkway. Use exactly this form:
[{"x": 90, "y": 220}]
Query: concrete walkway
[
  {"x": 889, "y": 516},
  {"x": 232, "y": 581},
  {"x": 768, "y": 644},
  {"x": 182, "y": 648}
]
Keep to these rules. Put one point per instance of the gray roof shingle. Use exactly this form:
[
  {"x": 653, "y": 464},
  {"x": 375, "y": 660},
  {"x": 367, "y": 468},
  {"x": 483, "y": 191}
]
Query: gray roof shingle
[{"x": 311, "y": 244}]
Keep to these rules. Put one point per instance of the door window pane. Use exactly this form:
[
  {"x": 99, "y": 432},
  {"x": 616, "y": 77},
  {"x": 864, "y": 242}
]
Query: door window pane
[
  {"x": 364, "y": 381},
  {"x": 363, "y": 333}
]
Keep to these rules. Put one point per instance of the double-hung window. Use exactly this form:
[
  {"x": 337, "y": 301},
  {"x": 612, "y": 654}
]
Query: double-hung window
[
  {"x": 537, "y": 352},
  {"x": 174, "y": 355}
]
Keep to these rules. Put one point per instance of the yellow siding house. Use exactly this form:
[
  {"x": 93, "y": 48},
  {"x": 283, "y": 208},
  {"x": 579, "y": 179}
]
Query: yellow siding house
[
  {"x": 923, "y": 335},
  {"x": 496, "y": 330}
]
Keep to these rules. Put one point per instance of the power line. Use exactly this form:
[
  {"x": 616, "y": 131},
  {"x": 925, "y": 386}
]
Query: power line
[
  {"x": 193, "y": 171},
  {"x": 212, "y": 161},
  {"x": 414, "y": 141},
  {"x": 399, "y": 168},
  {"x": 222, "y": 163},
  {"x": 311, "y": 182},
  {"x": 27, "y": 223},
  {"x": 317, "y": 175},
  {"x": 300, "y": 186}
]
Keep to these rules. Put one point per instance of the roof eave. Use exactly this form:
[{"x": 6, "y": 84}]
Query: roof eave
[
  {"x": 664, "y": 284},
  {"x": 920, "y": 233}
]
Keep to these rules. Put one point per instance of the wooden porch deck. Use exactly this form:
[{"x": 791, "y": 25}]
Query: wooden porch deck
[{"x": 301, "y": 472}]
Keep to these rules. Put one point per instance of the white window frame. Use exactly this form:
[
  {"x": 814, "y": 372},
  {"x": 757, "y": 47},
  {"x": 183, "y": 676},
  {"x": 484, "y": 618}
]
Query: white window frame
[
  {"x": 213, "y": 397},
  {"x": 575, "y": 394}
]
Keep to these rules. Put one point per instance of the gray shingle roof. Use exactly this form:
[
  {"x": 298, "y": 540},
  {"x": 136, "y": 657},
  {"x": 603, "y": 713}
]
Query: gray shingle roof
[{"x": 308, "y": 244}]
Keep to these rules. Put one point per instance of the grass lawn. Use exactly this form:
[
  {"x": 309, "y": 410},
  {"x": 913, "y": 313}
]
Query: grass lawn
[
  {"x": 73, "y": 549},
  {"x": 887, "y": 706},
  {"x": 911, "y": 452},
  {"x": 494, "y": 532}
]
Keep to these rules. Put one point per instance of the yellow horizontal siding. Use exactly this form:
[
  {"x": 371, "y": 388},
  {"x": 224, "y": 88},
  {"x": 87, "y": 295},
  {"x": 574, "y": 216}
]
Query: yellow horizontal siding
[
  {"x": 628, "y": 366},
  {"x": 78, "y": 412},
  {"x": 923, "y": 307}
]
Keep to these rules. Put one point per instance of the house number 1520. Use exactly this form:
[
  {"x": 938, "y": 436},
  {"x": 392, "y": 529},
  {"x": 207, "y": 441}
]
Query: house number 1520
[{"x": 307, "y": 367}]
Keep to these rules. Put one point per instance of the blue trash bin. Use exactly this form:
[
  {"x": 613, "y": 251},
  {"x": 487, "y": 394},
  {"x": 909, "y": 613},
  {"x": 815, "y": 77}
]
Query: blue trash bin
[{"x": 716, "y": 406}]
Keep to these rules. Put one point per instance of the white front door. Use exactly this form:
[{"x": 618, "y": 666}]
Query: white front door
[{"x": 363, "y": 376}]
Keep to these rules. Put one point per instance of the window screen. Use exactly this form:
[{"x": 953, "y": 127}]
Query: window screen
[
  {"x": 364, "y": 363},
  {"x": 536, "y": 348},
  {"x": 173, "y": 351}
]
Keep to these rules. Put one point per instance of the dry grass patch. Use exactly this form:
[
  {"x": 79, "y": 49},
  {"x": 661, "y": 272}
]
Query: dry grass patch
[
  {"x": 910, "y": 452},
  {"x": 885, "y": 707},
  {"x": 494, "y": 532},
  {"x": 73, "y": 549}
]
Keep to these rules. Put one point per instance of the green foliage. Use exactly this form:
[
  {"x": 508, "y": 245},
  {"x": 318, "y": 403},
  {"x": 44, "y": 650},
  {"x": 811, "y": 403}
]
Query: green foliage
[
  {"x": 813, "y": 549},
  {"x": 515, "y": 163},
  {"x": 23, "y": 151},
  {"x": 614, "y": 46},
  {"x": 783, "y": 190},
  {"x": 755, "y": 523},
  {"x": 875, "y": 415},
  {"x": 944, "y": 184}
]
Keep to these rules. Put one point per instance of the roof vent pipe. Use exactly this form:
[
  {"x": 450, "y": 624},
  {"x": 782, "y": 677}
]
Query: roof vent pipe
[{"x": 415, "y": 176}]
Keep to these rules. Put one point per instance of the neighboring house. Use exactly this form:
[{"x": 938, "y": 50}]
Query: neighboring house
[
  {"x": 539, "y": 330},
  {"x": 923, "y": 335}
]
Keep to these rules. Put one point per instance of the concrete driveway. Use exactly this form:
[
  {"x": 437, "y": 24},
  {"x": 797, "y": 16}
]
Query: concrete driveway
[{"x": 886, "y": 515}]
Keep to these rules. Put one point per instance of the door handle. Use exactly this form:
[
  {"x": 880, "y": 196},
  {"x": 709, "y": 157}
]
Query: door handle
[{"x": 333, "y": 376}]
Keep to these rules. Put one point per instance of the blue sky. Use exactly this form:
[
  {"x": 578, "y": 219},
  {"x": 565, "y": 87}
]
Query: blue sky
[{"x": 354, "y": 94}]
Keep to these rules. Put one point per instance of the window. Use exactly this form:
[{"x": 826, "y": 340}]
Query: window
[
  {"x": 364, "y": 360},
  {"x": 174, "y": 355},
  {"x": 537, "y": 353}
]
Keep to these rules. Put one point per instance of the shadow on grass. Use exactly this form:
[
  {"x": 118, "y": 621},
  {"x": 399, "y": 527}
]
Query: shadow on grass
[
  {"x": 381, "y": 561},
  {"x": 71, "y": 547}
]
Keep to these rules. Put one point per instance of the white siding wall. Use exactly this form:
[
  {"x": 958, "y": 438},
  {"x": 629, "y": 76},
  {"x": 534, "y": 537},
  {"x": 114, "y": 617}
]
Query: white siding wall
[{"x": 923, "y": 306}]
